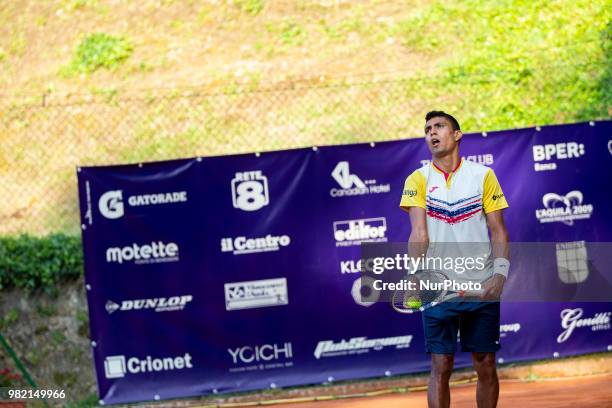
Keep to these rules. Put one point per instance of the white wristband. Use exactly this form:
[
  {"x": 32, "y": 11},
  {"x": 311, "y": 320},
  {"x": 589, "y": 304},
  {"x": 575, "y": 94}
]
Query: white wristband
[{"x": 501, "y": 267}]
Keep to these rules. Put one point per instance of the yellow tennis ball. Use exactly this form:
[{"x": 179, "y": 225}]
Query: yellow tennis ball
[{"x": 413, "y": 303}]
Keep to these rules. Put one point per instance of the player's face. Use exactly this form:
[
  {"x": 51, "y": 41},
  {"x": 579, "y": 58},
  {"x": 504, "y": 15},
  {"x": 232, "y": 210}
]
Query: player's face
[{"x": 440, "y": 136}]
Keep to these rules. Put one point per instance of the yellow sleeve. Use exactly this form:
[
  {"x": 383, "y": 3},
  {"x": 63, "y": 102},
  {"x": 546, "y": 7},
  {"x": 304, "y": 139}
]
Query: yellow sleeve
[
  {"x": 493, "y": 198},
  {"x": 414, "y": 191}
]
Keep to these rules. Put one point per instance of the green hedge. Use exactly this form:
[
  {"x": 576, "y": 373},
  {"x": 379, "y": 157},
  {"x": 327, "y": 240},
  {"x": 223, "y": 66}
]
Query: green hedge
[{"x": 32, "y": 263}]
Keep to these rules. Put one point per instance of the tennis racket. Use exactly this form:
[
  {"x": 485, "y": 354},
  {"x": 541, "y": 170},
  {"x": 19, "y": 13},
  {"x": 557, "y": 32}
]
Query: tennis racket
[{"x": 429, "y": 289}]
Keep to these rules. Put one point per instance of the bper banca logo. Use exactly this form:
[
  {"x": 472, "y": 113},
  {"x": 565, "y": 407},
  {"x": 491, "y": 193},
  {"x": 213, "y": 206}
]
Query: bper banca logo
[{"x": 554, "y": 152}]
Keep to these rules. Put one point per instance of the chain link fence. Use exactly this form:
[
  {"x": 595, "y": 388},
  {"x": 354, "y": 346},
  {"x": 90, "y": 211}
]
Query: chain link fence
[{"x": 44, "y": 137}]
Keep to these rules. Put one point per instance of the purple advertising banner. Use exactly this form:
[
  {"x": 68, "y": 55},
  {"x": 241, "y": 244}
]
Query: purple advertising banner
[{"x": 221, "y": 274}]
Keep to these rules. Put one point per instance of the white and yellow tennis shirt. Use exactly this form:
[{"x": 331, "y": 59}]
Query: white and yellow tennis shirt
[{"x": 456, "y": 204}]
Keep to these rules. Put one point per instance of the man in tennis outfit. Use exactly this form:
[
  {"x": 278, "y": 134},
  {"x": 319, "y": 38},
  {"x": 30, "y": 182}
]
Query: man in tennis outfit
[{"x": 453, "y": 204}]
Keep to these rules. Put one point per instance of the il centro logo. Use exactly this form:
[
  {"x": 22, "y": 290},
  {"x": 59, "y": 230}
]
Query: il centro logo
[
  {"x": 119, "y": 366},
  {"x": 244, "y": 245},
  {"x": 111, "y": 203},
  {"x": 565, "y": 209},
  {"x": 351, "y": 184}
]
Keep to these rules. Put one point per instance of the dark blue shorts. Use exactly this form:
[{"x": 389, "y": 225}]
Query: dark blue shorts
[{"x": 477, "y": 323}]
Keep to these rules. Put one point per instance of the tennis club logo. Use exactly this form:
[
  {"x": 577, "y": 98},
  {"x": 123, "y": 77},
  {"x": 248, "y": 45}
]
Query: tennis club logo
[
  {"x": 111, "y": 203},
  {"x": 565, "y": 209},
  {"x": 160, "y": 304},
  {"x": 359, "y": 345},
  {"x": 551, "y": 153},
  {"x": 486, "y": 159},
  {"x": 255, "y": 294},
  {"x": 119, "y": 366},
  {"x": 250, "y": 190},
  {"x": 243, "y": 245},
  {"x": 571, "y": 319},
  {"x": 352, "y": 185},
  {"x": 155, "y": 252},
  {"x": 354, "y": 232}
]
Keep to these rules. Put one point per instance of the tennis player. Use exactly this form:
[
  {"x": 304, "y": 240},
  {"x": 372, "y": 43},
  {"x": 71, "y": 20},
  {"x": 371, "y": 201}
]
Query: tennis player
[{"x": 451, "y": 202}]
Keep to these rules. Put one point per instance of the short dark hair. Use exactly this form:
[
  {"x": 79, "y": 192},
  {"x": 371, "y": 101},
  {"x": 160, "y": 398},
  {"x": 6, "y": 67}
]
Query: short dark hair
[{"x": 435, "y": 114}]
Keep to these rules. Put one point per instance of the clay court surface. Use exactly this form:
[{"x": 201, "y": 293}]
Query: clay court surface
[{"x": 583, "y": 392}]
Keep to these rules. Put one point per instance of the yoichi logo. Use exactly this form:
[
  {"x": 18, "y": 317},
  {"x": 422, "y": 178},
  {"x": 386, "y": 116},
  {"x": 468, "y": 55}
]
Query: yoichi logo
[{"x": 111, "y": 204}]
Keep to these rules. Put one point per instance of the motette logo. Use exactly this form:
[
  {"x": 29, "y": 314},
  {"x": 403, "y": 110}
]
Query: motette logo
[
  {"x": 250, "y": 190},
  {"x": 111, "y": 204}
]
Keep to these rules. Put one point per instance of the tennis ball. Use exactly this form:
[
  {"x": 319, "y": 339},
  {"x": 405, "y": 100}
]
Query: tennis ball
[{"x": 413, "y": 303}]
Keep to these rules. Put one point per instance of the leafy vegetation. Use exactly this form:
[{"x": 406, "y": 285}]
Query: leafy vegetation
[
  {"x": 34, "y": 263},
  {"x": 99, "y": 50}
]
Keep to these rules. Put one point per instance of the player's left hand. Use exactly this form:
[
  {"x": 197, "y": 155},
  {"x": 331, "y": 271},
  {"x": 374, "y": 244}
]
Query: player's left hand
[{"x": 492, "y": 288}]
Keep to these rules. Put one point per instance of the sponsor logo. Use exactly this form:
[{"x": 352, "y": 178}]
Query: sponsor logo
[
  {"x": 254, "y": 294},
  {"x": 111, "y": 203},
  {"x": 564, "y": 209},
  {"x": 156, "y": 252},
  {"x": 497, "y": 196},
  {"x": 352, "y": 185},
  {"x": 160, "y": 304},
  {"x": 244, "y": 245},
  {"x": 572, "y": 261},
  {"x": 410, "y": 193},
  {"x": 353, "y": 266},
  {"x": 250, "y": 190},
  {"x": 432, "y": 189},
  {"x": 554, "y": 152},
  {"x": 571, "y": 319},
  {"x": 261, "y": 357},
  {"x": 118, "y": 366},
  {"x": 504, "y": 329},
  {"x": 486, "y": 159},
  {"x": 359, "y": 345},
  {"x": 354, "y": 232}
]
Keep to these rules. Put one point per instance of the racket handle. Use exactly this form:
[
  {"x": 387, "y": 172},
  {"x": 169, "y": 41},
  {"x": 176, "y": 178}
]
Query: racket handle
[{"x": 472, "y": 293}]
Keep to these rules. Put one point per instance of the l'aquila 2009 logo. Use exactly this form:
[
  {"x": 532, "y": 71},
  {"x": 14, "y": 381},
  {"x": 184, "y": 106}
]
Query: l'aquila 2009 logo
[{"x": 565, "y": 209}]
